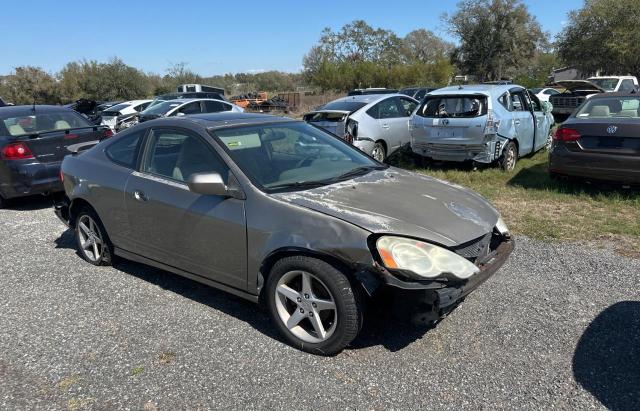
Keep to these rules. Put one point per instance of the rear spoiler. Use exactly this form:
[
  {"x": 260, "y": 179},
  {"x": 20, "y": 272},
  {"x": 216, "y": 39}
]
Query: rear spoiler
[
  {"x": 65, "y": 130},
  {"x": 77, "y": 148}
]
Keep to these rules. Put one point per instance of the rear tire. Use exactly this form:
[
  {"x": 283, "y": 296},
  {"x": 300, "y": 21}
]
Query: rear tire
[
  {"x": 3, "y": 202},
  {"x": 379, "y": 152},
  {"x": 91, "y": 238},
  {"x": 509, "y": 157},
  {"x": 313, "y": 305}
]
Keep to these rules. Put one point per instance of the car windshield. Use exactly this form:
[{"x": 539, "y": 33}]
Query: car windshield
[
  {"x": 608, "y": 84},
  {"x": 293, "y": 155},
  {"x": 119, "y": 107},
  {"x": 30, "y": 123},
  {"x": 161, "y": 108},
  {"x": 350, "y": 106},
  {"x": 611, "y": 107},
  {"x": 536, "y": 90},
  {"x": 454, "y": 106}
]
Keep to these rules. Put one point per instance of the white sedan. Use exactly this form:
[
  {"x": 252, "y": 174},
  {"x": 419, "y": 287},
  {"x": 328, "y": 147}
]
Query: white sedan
[
  {"x": 543, "y": 93},
  {"x": 123, "y": 115}
]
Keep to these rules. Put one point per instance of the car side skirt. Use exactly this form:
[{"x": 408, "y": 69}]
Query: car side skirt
[{"x": 140, "y": 259}]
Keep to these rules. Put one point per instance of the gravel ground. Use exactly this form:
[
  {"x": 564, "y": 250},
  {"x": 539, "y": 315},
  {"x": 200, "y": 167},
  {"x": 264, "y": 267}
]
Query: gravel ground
[{"x": 558, "y": 326}]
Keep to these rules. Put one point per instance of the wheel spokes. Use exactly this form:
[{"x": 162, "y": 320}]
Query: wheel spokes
[
  {"x": 321, "y": 305},
  {"x": 306, "y": 284},
  {"x": 288, "y": 292},
  {"x": 294, "y": 319},
  {"x": 317, "y": 325}
]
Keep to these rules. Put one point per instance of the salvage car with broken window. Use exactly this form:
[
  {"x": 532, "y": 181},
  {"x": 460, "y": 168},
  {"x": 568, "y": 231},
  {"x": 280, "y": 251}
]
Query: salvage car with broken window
[
  {"x": 483, "y": 123},
  {"x": 285, "y": 214}
]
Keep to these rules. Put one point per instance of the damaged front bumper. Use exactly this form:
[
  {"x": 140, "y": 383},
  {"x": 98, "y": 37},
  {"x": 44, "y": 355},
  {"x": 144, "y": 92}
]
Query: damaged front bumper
[{"x": 429, "y": 301}]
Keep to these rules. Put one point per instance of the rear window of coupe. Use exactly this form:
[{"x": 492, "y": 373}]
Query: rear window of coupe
[
  {"x": 33, "y": 123},
  {"x": 350, "y": 106}
]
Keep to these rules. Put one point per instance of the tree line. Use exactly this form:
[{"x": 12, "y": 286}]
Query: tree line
[{"x": 493, "y": 40}]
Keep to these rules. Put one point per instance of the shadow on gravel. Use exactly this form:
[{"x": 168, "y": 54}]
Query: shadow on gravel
[
  {"x": 380, "y": 327},
  {"x": 607, "y": 358},
  {"x": 31, "y": 203}
]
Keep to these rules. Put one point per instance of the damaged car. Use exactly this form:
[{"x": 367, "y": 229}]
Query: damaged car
[
  {"x": 376, "y": 124},
  {"x": 481, "y": 123},
  {"x": 123, "y": 115},
  {"x": 283, "y": 214}
]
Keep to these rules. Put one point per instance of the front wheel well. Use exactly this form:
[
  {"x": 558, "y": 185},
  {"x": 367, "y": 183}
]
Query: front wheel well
[{"x": 271, "y": 259}]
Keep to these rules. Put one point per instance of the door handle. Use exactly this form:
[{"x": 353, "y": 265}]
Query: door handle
[
  {"x": 385, "y": 126},
  {"x": 516, "y": 122},
  {"x": 139, "y": 195}
]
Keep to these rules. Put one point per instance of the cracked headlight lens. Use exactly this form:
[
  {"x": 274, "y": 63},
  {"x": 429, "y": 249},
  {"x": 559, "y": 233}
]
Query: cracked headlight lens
[
  {"x": 424, "y": 259},
  {"x": 501, "y": 226}
]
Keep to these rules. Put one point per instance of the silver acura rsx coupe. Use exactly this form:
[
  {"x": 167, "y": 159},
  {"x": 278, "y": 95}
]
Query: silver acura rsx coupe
[{"x": 284, "y": 214}]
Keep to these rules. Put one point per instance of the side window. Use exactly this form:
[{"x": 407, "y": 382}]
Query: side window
[
  {"x": 504, "y": 100},
  {"x": 141, "y": 107},
  {"x": 215, "y": 106},
  {"x": 627, "y": 85},
  {"x": 517, "y": 102},
  {"x": 190, "y": 108},
  {"x": 374, "y": 111},
  {"x": 388, "y": 109},
  {"x": 534, "y": 101},
  {"x": 406, "y": 106},
  {"x": 124, "y": 150},
  {"x": 177, "y": 155}
]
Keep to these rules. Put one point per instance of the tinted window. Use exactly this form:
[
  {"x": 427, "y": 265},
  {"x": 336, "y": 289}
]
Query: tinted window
[
  {"x": 517, "y": 102},
  {"x": 627, "y": 85},
  {"x": 420, "y": 94},
  {"x": 162, "y": 107},
  {"x": 190, "y": 108},
  {"x": 608, "y": 84},
  {"x": 455, "y": 106},
  {"x": 407, "y": 106},
  {"x": 504, "y": 100},
  {"x": 551, "y": 92},
  {"x": 215, "y": 106},
  {"x": 385, "y": 109},
  {"x": 30, "y": 123},
  {"x": 349, "y": 106},
  {"x": 141, "y": 107},
  {"x": 177, "y": 155},
  {"x": 124, "y": 150}
]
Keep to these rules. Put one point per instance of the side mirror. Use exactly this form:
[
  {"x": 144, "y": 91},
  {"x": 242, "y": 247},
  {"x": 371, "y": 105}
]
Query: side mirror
[{"x": 210, "y": 184}]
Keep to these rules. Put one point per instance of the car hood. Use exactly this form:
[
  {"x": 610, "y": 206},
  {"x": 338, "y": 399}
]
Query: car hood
[
  {"x": 404, "y": 203},
  {"x": 583, "y": 85}
]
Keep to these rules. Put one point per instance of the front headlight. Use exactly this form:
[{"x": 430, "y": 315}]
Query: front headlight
[
  {"x": 424, "y": 259},
  {"x": 501, "y": 226}
]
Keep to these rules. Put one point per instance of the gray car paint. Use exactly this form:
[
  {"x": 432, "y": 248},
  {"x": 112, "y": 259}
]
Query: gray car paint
[{"x": 270, "y": 223}]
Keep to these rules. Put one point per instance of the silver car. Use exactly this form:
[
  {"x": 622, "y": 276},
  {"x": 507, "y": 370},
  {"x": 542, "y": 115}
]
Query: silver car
[
  {"x": 482, "y": 123},
  {"x": 281, "y": 213},
  {"x": 376, "y": 124}
]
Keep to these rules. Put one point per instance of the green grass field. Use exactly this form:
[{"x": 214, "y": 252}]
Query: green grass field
[{"x": 536, "y": 206}]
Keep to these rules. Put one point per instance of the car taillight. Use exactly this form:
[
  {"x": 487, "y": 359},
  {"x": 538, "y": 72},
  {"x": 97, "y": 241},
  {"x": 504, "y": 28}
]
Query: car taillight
[
  {"x": 107, "y": 133},
  {"x": 566, "y": 134},
  {"x": 61, "y": 177},
  {"x": 491, "y": 126},
  {"x": 16, "y": 151}
]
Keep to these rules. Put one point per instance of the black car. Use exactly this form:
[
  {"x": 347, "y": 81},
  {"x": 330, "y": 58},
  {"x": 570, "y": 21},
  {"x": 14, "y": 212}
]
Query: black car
[
  {"x": 600, "y": 140},
  {"x": 181, "y": 95},
  {"x": 417, "y": 92},
  {"x": 33, "y": 142}
]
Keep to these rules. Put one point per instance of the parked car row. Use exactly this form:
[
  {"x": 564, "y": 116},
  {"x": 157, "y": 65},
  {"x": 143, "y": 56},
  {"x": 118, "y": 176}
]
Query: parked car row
[{"x": 483, "y": 123}]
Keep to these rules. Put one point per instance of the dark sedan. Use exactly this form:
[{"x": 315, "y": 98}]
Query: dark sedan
[
  {"x": 600, "y": 140},
  {"x": 33, "y": 141},
  {"x": 281, "y": 212}
]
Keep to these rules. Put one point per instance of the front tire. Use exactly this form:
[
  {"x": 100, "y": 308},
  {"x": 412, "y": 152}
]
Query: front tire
[
  {"x": 509, "y": 157},
  {"x": 91, "y": 238},
  {"x": 313, "y": 305}
]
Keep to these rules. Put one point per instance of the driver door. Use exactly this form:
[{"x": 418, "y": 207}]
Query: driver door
[
  {"x": 543, "y": 121},
  {"x": 200, "y": 234}
]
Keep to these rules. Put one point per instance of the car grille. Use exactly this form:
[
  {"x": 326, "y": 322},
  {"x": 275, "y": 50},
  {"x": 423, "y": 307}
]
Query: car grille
[{"x": 475, "y": 249}]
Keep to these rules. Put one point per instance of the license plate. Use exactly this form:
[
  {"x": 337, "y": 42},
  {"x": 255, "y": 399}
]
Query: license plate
[{"x": 446, "y": 132}]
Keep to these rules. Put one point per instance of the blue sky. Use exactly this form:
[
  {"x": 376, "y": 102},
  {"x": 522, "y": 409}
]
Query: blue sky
[{"x": 212, "y": 37}]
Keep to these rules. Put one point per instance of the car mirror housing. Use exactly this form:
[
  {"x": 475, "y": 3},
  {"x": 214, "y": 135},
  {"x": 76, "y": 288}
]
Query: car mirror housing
[{"x": 208, "y": 184}]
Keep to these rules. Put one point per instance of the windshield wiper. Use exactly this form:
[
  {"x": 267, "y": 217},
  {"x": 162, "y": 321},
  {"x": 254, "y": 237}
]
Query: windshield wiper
[
  {"x": 298, "y": 184},
  {"x": 358, "y": 171}
]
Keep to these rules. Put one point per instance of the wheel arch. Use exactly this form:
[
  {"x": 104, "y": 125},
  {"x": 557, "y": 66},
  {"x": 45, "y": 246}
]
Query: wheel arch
[{"x": 77, "y": 204}]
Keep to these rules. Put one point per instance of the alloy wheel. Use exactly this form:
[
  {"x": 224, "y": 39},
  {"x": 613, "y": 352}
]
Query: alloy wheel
[
  {"x": 305, "y": 306},
  {"x": 91, "y": 241},
  {"x": 378, "y": 152},
  {"x": 510, "y": 160}
]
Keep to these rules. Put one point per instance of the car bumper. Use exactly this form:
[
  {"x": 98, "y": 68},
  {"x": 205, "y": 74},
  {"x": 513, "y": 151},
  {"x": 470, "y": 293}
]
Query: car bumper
[
  {"x": 365, "y": 145},
  {"x": 61, "y": 207},
  {"x": 23, "y": 178},
  {"x": 422, "y": 303},
  {"x": 601, "y": 167},
  {"x": 482, "y": 153}
]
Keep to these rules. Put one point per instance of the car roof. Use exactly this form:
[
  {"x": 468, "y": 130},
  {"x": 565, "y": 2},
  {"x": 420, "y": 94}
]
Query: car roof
[
  {"x": 368, "y": 98},
  {"x": 618, "y": 77},
  {"x": 476, "y": 88},
  {"x": 133, "y": 102},
  {"x": 188, "y": 100},
  {"x": 616, "y": 94},
  {"x": 28, "y": 109},
  {"x": 230, "y": 119}
]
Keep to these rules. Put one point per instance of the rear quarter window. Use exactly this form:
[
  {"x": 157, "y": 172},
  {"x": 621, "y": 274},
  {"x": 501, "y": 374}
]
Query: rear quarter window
[{"x": 125, "y": 149}]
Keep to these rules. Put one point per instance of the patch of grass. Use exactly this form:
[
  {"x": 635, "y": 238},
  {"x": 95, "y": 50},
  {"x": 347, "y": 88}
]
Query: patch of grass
[
  {"x": 537, "y": 206},
  {"x": 135, "y": 371}
]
